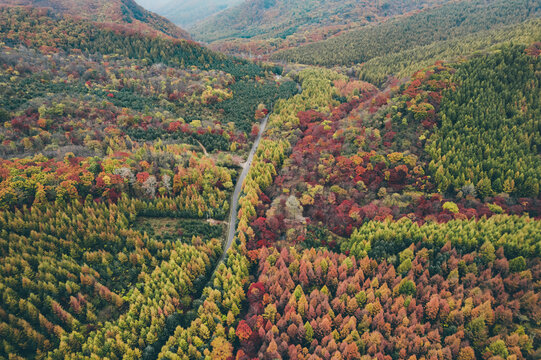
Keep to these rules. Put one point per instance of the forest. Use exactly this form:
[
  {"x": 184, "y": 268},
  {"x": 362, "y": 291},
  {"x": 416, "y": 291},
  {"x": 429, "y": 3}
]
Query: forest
[
  {"x": 260, "y": 28},
  {"x": 447, "y": 22},
  {"x": 506, "y": 157},
  {"x": 391, "y": 210}
]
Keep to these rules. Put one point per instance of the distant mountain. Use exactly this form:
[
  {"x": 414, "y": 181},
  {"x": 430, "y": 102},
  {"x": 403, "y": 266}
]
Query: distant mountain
[
  {"x": 123, "y": 12},
  {"x": 152, "y": 5},
  {"x": 189, "y": 12},
  {"x": 280, "y": 18}
]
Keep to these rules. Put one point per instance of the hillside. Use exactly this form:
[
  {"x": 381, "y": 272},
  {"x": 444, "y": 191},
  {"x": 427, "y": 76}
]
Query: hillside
[
  {"x": 285, "y": 23},
  {"x": 186, "y": 13},
  {"x": 405, "y": 62},
  {"x": 447, "y": 22},
  {"x": 120, "y": 12}
]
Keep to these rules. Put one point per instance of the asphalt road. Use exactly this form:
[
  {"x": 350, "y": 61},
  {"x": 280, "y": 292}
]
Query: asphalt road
[{"x": 238, "y": 188}]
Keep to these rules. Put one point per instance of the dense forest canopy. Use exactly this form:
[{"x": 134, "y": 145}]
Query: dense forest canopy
[
  {"x": 405, "y": 62},
  {"x": 278, "y": 18},
  {"x": 490, "y": 129},
  {"x": 390, "y": 204},
  {"x": 262, "y": 27},
  {"x": 446, "y": 22}
]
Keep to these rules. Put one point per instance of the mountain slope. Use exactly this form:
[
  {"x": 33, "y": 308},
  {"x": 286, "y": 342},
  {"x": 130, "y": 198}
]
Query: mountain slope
[
  {"x": 189, "y": 12},
  {"x": 279, "y": 18},
  {"x": 406, "y": 62},
  {"x": 444, "y": 23},
  {"x": 122, "y": 12}
]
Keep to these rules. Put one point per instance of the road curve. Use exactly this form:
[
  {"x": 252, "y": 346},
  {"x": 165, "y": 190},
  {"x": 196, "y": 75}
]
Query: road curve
[{"x": 238, "y": 189}]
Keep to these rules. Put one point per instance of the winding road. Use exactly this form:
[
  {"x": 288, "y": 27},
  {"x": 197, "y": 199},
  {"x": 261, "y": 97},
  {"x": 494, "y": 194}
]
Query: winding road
[
  {"x": 238, "y": 189},
  {"x": 153, "y": 350}
]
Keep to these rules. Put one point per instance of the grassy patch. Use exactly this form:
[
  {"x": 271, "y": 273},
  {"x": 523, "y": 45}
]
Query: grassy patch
[{"x": 170, "y": 229}]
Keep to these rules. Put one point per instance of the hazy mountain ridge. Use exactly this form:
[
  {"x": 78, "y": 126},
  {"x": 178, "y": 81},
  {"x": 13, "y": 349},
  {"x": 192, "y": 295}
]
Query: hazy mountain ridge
[{"x": 189, "y": 12}]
